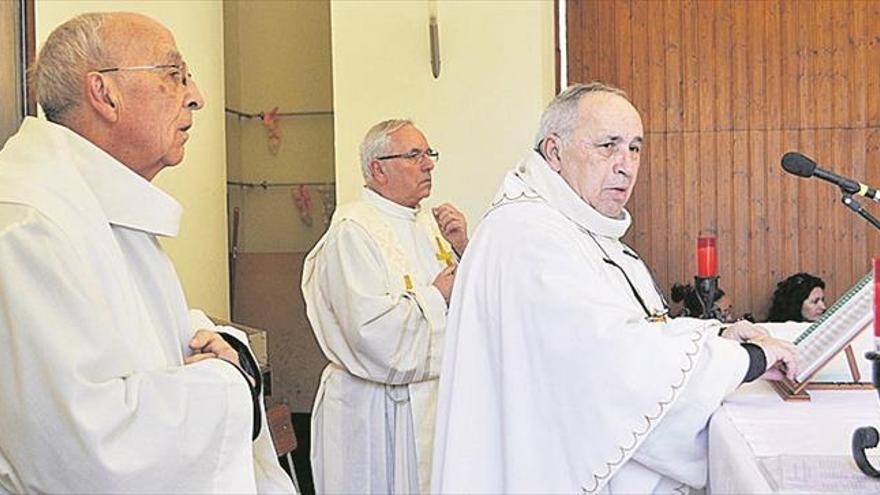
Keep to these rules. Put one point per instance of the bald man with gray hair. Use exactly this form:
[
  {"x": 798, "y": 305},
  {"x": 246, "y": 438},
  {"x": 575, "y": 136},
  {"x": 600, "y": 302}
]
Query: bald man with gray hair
[
  {"x": 377, "y": 287},
  {"x": 109, "y": 383}
]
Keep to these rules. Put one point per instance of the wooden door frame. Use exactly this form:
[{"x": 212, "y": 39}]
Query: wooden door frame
[
  {"x": 27, "y": 24},
  {"x": 557, "y": 55}
]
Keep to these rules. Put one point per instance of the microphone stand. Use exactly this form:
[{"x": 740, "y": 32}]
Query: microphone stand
[{"x": 865, "y": 437}]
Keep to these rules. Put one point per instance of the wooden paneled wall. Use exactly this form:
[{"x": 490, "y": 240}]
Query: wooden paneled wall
[{"x": 725, "y": 88}]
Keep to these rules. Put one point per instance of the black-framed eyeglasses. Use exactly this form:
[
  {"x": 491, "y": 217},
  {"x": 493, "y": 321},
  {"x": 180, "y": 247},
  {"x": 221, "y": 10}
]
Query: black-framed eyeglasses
[
  {"x": 414, "y": 155},
  {"x": 181, "y": 71}
]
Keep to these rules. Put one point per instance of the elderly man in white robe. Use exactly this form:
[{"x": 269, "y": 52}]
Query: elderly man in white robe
[
  {"x": 562, "y": 373},
  {"x": 106, "y": 385},
  {"x": 376, "y": 288}
]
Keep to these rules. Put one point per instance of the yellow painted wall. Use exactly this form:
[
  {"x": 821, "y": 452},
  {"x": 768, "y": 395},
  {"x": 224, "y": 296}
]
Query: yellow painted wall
[
  {"x": 199, "y": 252},
  {"x": 497, "y": 74},
  {"x": 278, "y": 55}
]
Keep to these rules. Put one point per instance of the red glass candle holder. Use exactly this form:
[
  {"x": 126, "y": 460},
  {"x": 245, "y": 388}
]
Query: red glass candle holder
[{"x": 707, "y": 259}]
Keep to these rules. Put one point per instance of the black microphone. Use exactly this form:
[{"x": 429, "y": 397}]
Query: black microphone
[{"x": 803, "y": 166}]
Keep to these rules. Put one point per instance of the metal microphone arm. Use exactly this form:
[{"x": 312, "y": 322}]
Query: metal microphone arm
[{"x": 855, "y": 206}]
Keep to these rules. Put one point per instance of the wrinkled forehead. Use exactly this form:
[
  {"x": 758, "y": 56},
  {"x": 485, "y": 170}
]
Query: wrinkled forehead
[
  {"x": 408, "y": 138},
  {"x": 133, "y": 39},
  {"x": 607, "y": 114}
]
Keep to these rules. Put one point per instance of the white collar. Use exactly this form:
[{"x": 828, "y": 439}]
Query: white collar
[
  {"x": 389, "y": 207},
  {"x": 127, "y": 199},
  {"x": 537, "y": 174}
]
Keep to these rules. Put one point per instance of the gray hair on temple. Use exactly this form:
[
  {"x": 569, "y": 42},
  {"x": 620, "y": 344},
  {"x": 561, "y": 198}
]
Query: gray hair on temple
[
  {"x": 72, "y": 50},
  {"x": 376, "y": 142},
  {"x": 561, "y": 114}
]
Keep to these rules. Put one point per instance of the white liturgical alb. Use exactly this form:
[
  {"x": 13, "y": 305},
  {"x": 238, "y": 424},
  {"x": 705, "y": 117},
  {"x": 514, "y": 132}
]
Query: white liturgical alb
[
  {"x": 380, "y": 321},
  {"x": 555, "y": 379},
  {"x": 94, "y": 328}
]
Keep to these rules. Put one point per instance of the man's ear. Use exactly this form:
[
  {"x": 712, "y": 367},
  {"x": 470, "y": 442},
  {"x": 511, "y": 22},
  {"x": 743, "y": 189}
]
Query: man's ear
[
  {"x": 551, "y": 150},
  {"x": 378, "y": 173},
  {"x": 102, "y": 96}
]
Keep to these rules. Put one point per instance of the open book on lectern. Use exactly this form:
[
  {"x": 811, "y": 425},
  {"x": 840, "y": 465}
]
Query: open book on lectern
[{"x": 829, "y": 335}]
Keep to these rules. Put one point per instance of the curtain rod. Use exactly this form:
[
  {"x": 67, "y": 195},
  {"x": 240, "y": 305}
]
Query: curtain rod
[
  {"x": 260, "y": 115},
  {"x": 266, "y": 184}
]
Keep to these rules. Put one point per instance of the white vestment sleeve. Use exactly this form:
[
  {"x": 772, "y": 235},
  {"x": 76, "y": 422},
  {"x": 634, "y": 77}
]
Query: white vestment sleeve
[
  {"x": 677, "y": 448},
  {"x": 82, "y": 417},
  {"x": 374, "y": 327},
  {"x": 270, "y": 477}
]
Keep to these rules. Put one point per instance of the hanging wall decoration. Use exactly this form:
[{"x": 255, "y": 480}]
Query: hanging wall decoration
[
  {"x": 273, "y": 129},
  {"x": 303, "y": 201}
]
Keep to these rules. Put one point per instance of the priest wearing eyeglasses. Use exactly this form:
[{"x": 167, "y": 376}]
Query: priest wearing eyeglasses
[
  {"x": 562, "y": 372},
  {"x": 377, "y": 287},
  {"x": 108, "y": 383}
]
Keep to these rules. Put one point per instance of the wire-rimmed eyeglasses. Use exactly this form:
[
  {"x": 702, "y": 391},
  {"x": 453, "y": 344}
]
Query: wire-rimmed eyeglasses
[
  {"x": 414, "y": 155},
  {"x": 181, "y": 71}
]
